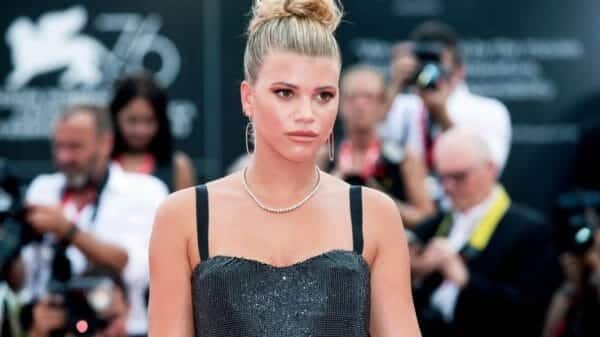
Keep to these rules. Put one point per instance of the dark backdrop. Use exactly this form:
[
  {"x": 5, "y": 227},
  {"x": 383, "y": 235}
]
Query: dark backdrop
[{"x": 540, "y": 60}]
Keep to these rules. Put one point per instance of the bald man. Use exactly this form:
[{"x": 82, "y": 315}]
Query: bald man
[{"x": 486, "y": 267}]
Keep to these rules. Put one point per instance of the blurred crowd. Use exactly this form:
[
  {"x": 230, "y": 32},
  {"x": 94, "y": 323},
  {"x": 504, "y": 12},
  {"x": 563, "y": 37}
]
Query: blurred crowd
[
  {"x": 74, "y": 250},
  {"x": 74, "y": 247}
]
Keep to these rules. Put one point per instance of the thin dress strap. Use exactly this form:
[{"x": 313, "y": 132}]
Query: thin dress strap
[
  {"x": 356, "y": 214},
  {"x": 202, "y": 220}
]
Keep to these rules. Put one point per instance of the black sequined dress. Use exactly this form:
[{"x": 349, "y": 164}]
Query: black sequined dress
[{"x": 324, "y": 296}]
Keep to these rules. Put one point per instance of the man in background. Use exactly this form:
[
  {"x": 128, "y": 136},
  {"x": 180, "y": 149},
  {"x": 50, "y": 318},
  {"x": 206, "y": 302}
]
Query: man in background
[
  {"x": 441, "y": 98},
  {"x": 90, "y": 212},
  {"x": 487, "y": 267}
]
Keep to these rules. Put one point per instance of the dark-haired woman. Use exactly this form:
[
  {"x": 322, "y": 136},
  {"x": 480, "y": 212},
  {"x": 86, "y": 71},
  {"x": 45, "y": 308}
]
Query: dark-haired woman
[{"x": 143, "y": 140}]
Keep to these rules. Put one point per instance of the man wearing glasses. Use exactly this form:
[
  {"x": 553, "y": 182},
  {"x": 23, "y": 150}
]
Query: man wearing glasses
[{"x": 486, "y": 267}]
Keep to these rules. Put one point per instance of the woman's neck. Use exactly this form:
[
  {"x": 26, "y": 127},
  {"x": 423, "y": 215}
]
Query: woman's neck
[
  {"x": 360, "y": 140},
  {"x": 137, "y": 161},
  {"x": 133, "y": 155},
  {"x": 277, "y": 181}
]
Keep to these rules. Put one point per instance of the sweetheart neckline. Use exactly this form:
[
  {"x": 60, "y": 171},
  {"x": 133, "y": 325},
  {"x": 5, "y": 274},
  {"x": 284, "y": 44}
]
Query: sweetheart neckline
[{"x": 279, "y": 268}]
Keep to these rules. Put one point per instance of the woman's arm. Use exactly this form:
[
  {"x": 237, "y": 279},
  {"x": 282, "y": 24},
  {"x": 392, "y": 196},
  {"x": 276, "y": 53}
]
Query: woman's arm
[
  {"x": 392, "y": 308},
  {"x": 170, "y": 307},
  {"x": 185, "y": 175},
  {"x": 420, "y": 205}
]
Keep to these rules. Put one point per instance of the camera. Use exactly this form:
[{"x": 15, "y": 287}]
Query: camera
[
  {"x": 430, "y": 70},
  {"x": 85, "y": 301},
  {"x": 15, "y": 232},
  {"x": 576, "y": 234}
]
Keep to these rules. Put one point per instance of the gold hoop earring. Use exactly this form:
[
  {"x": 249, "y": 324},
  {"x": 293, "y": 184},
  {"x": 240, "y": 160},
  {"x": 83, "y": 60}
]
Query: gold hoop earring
[
  {"x": 248, "y": 133},
  {"x": 331, "y": 147}
]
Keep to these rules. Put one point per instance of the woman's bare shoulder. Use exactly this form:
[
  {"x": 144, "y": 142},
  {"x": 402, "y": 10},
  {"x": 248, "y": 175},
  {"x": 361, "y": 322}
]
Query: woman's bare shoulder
[
  {"x": 178, "y": 200},
  {"x": 177, "y": 213},
  {"x": 381, "y": 215},
  {"x": 227, "y": 187},
  {"x": 372, "y": 199},
  {"x": 333, "y": 184},
  {"x": 379, "y": 205},
  {"x": 186, "y": 198}
]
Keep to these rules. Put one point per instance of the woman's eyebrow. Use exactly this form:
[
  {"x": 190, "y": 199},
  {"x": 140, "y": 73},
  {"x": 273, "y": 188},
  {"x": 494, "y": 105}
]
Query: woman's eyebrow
[
  {"x": 293, "y": 86},
  {"x": 285, "y": 84}
]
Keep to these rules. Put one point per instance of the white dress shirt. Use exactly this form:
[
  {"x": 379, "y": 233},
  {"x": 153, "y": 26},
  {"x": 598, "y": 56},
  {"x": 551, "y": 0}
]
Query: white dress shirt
[
  {"x": 403, "y": 123},
  {"x": 486, "y": 116},
  {"x": 463, "y": 225},
  {"x": 124, "y": 217}
]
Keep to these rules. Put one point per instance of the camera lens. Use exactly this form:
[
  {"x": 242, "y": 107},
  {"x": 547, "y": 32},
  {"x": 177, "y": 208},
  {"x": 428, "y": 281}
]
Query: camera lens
[{"x": 429, "y": 76}]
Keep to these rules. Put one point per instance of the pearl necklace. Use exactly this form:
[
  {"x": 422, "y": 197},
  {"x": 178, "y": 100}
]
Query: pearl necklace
[{"x": 285, "y": 209}]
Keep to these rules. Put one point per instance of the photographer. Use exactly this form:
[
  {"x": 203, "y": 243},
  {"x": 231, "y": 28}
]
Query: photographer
[
  {"x": 403, "y": 67},
  {"x": 575, "y": 306},
  {"x": 101, "y": 311},
  {"x": 442, "y": 98},
  {"x": 11, "y": 267},
  {"x": 363, "y": 159},
  {"x": 90, "y": 212}
]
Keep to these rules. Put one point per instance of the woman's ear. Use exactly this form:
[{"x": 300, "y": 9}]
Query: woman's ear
[{"x": 247, "y": 99}]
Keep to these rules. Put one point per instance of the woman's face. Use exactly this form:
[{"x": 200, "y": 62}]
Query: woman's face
[
  {"x": 293, "y": 104},
  {"x": 362, "y": 100},
  {"x": 138, "y": 124}
]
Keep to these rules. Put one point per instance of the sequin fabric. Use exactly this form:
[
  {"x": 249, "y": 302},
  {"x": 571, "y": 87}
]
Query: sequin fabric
[{"x": 324, "y": 296}]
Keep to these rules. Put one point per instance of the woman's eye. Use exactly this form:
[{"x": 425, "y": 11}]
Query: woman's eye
[
  {"x": 325, "y": 96},
  {"x": 284, "y": 93}
]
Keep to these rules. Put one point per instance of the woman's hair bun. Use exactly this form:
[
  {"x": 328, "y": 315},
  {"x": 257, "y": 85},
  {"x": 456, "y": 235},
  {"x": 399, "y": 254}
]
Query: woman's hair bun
[{"x": 326, "y": 12}]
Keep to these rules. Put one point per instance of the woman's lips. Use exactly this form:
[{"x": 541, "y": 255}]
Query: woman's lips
[{"x": 302, "y": 136}]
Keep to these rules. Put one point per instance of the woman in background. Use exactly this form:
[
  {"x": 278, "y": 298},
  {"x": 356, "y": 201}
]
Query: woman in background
[
  {"x": 365, "y": 159},
  {"x": 143, "y": 140}
]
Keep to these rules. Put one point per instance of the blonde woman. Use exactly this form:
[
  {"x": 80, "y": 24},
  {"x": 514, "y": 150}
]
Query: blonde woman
[{"x": 281, "y": 248}]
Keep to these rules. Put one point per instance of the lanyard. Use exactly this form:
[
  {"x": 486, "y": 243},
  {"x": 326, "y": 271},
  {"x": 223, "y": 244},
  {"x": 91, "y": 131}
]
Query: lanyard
[
  {"x": 96, "y": 200},
  {"x": 90, "y": 199},
  {"x": 486, "y": 227},
  {"x": 40, "y": 261}
]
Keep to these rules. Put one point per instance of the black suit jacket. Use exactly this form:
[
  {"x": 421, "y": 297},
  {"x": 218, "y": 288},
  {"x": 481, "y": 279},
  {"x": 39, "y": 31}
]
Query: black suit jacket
[{"x": 510, "y": 285}]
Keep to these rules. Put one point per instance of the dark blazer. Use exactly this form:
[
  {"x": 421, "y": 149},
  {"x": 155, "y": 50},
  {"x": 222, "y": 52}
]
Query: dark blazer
[{"x": 510, "y": 285}]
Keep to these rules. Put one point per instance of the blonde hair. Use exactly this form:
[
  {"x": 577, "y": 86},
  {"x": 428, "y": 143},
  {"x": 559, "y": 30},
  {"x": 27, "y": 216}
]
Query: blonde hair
[{"x": 301, "y": 26}]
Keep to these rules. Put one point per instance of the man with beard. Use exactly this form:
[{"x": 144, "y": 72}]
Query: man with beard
[{"x": 91, "y": 213}]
